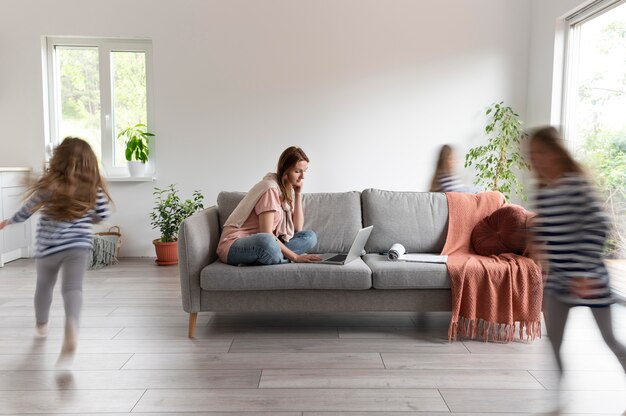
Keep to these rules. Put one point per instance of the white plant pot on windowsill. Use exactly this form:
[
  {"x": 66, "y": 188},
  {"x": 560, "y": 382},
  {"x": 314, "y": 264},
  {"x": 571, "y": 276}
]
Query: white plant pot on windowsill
[{"x": 136, "y": 168}]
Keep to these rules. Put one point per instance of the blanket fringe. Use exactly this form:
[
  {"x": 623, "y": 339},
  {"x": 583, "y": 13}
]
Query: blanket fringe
[{"x": 494, "y": 331}]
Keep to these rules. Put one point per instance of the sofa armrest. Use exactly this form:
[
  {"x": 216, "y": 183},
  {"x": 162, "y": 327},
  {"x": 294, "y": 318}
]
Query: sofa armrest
[{"x": 198, "y": 237}]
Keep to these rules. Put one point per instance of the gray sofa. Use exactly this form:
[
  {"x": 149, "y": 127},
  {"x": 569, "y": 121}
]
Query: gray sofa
[{"x": 418, "y": 220}]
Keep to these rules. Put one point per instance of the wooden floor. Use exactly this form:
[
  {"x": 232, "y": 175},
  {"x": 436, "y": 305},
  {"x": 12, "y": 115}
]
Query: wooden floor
[{"x": 134, "y": 357}]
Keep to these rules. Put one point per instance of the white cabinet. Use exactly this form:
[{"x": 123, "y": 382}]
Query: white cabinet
[{"x": 14, "y": 239}]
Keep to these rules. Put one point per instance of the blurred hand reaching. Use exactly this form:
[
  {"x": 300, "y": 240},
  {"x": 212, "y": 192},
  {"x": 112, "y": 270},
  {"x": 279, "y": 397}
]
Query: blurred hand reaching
[{"x": 583, "y": 287}]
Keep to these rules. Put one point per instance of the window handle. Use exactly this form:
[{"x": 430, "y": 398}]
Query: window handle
[{"x": 107, "y": 121}]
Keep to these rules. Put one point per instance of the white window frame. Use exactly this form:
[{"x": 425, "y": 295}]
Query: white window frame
[
  {"x": 566, "y": 57},
  {"x": 52, "y": 95}
]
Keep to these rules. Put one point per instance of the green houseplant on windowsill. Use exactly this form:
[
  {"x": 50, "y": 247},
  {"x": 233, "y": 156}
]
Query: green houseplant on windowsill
[
  {"x": 137, "y": 148},
  {"x": 168, "y": 213}
]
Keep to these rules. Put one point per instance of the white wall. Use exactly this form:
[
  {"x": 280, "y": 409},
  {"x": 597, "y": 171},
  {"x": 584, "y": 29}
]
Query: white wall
[
  {"x": 544, "y": 17},
  {"x": 370, "y": 89}
]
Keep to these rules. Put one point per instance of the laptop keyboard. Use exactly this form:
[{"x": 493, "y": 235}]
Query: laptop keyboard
[{"x": 338, "y": 257}]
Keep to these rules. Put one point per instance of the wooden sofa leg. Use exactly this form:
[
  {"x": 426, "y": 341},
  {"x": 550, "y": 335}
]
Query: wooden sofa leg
[{"x": 192, "y": 323}]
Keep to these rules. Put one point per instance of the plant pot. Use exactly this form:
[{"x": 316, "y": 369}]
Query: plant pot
[
  {"x": 167, "y": 253},
  {"x": 136, "y": 168}
]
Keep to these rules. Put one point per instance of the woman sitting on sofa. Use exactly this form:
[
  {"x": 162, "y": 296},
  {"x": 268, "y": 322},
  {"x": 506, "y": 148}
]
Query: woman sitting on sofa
[{"x": 266, "y": 226}]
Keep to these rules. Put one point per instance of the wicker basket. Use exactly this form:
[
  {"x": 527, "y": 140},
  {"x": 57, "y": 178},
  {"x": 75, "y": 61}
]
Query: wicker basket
[{"x": 113, "y": 234}]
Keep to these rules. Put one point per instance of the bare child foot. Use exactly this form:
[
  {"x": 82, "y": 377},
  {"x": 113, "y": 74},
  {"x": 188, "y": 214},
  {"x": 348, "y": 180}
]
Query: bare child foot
[
  {"x": 42, "y": 329},
  {"x": 69, "y": 345},
  {"x": 70, "y": 340}
]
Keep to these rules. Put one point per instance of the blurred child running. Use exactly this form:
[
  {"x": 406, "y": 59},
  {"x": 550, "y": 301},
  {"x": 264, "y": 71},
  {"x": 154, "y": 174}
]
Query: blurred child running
[
  {"x": 444, "y": 179},
  {"x": 570, "y": 230},
  {"x": 71, "y": 196}
]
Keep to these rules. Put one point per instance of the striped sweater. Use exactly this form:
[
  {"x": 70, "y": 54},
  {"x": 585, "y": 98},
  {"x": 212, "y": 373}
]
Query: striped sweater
[
  {"x": 54, "y": 236},
  {"x": 571, "y": 227},
  {"x": 450, "y": 183}
]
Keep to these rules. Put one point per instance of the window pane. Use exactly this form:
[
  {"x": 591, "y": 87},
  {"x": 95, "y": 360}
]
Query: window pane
[
  {"x": 129, "y": 95},
  {"x": 79, "y": 94},
  {"x": 598, "y": 121}
]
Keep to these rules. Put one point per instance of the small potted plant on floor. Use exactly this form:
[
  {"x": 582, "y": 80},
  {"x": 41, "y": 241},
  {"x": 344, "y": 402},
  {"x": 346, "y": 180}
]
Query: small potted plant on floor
[
  {"x": 168, "y": 213},
  {"x": 137, "y": 150}
]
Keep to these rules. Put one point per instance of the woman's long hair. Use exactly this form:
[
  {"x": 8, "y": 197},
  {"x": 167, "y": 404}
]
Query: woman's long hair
[
  {"x": 550, "y": 138},
  {"x": 286, "y": 161},
  {"x": 71, "y": 182},
  {"x": 442, "y": 167}
]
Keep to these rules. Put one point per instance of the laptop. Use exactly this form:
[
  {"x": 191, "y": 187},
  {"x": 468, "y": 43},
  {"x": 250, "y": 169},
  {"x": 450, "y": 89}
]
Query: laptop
[{"x": 355, "y": 249}]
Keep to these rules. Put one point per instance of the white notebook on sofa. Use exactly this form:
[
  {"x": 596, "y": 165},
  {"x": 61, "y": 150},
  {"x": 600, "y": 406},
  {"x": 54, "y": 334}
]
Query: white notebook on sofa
[{"x": 397, "y": 252}]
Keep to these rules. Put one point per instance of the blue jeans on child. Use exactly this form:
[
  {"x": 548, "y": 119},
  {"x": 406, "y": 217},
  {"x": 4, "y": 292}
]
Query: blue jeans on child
[{"x": 262, "y": 248}]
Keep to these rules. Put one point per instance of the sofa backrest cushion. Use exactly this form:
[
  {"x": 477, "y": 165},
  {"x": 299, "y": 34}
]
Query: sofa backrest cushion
[
  {"x": 226, "y": 204},
  {"x": 417, "y": 220},
  {"x": 335, "y": 217}
]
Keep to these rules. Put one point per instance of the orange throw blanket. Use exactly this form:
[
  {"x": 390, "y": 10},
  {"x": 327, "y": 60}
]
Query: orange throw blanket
[{"x": 489, "y": 294}]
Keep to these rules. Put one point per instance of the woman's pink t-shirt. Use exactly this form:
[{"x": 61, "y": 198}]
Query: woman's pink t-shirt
[{"x": 269, "y": 201}]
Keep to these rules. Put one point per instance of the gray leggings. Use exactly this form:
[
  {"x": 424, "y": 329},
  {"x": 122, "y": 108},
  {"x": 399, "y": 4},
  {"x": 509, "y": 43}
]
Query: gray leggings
[
  {"x": 555, "y": 313},
  {"x": 72, "y": 264}
]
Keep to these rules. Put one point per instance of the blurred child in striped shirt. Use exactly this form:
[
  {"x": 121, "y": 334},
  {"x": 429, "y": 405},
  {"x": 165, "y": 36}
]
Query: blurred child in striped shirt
[
  {"x": 71, "y": 196},
  {"x": 444, "y": 179},
  {"x": 570, "y": 230}
]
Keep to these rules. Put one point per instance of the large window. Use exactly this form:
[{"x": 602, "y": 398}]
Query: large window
[
  {"x": 96, "y": 88},
  {"x": 594, "y": 110}
]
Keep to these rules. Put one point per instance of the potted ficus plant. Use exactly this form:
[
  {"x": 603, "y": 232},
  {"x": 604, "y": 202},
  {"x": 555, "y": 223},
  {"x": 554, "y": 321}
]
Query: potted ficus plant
[
  {"x": 137, "y": 140},
  {"x": 497, "y": 161},
  {"x": 168, "y": 213}
]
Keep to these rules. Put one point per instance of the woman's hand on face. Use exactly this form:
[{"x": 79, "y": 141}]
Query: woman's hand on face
[{"x": 306, "y": 258}]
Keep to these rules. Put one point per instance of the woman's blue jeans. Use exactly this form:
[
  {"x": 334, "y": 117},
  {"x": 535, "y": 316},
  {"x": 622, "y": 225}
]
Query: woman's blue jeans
[{"x": 262, "y": 248}]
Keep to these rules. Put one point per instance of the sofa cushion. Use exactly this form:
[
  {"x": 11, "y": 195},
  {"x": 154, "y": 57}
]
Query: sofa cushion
[
  {"x": 503, "y": 231},
  {"x": 226, "y": 204},
  {"x": 417, "y": 220},
  {"x": 387, "y": 274},
  {"x": 335, "y": 218},
  {"x": 353, "y": 276}
]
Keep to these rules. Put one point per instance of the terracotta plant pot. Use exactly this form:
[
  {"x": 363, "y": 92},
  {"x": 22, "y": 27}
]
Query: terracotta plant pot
[{"x": 167, "y": 253}]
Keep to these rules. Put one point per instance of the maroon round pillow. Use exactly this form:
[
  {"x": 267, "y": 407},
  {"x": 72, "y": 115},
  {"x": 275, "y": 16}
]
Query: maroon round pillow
[{"x": 504, "y": 231}]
